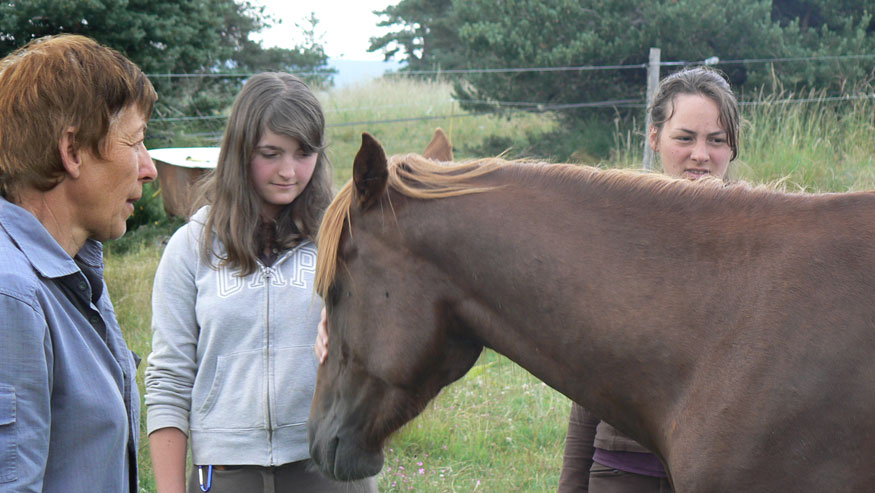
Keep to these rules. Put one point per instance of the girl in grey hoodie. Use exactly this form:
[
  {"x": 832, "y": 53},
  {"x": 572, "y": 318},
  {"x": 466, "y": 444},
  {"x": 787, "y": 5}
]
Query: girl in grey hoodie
[{"x": 234, "y": 315}]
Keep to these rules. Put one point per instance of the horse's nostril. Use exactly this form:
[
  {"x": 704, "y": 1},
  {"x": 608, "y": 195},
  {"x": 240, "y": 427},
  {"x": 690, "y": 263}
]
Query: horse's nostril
[{"x": 331, "y": 454}]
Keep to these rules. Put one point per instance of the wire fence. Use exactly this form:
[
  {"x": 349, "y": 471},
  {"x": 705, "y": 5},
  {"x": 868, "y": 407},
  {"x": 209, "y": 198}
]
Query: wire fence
[{"x": 490, "y": 106}]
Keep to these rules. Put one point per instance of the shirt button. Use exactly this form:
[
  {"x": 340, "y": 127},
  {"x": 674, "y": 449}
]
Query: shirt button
[
  {"x": 95, "y": 320},
  {"x": 82, "y": 286}
]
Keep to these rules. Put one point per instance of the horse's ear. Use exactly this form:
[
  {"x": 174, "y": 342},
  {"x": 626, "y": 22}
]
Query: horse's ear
[
  {"x": 369, "y": 171},
  {"x": 439, "y": 148}
]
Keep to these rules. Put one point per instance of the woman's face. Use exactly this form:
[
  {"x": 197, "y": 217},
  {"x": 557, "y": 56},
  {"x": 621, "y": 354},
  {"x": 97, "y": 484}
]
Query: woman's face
[
  {"x": 692, "y": 143},
  {"x": 107, "y": 187},
  {"x": 280, "y": 171}
]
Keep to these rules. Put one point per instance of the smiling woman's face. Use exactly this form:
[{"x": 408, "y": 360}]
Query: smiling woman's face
[{"x": 692, "y": 143}]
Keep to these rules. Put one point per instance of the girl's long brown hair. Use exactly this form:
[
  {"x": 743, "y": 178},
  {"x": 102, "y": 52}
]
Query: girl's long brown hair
[{"x": 283, "y": 104}]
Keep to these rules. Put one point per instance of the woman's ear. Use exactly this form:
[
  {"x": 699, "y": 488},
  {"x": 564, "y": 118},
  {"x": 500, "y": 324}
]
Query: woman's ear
[
  {"x": 71, "y": 155},
  {"x": 653, "y": 138}
]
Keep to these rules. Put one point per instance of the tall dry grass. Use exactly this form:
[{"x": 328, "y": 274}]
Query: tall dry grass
[
  {"x": 819, "y": 145},
  {"x": 402, "y": 113}
]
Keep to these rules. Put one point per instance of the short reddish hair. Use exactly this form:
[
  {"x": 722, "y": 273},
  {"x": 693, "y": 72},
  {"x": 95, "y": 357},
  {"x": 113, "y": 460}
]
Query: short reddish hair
[{"x": 51, "y": 84}]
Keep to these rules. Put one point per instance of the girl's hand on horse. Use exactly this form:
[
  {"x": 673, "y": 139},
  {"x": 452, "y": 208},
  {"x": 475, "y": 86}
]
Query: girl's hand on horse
[{"x": 321, "y": 346}]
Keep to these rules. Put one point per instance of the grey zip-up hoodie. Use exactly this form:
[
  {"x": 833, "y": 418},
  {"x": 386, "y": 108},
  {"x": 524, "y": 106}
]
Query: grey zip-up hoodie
[{"x": 232, "y": 361}]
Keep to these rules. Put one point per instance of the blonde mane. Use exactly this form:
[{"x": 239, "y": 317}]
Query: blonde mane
[
  {"x": 415, "y": 176},
  {"x": 411, "y": 175}
]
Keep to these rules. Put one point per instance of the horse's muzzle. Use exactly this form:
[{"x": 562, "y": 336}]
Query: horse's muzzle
[{"x": 342, "y": 459}]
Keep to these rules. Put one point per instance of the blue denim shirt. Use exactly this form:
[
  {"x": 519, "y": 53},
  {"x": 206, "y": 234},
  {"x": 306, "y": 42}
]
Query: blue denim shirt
[{"x": 69, "y": 405}]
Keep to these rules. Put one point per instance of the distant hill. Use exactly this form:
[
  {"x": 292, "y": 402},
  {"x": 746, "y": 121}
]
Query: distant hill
[{"x": 353, "y": 71}]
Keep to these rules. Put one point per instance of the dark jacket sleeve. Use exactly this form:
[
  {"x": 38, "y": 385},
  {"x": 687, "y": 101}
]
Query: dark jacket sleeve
[{"x": 578, "y": 450}]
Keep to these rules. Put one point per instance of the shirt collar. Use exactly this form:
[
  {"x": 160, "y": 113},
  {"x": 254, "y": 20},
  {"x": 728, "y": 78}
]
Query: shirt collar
[{"x": 40, "y": 247}]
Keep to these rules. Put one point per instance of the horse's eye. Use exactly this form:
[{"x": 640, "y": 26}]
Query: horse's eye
[{"x": 333, "y": 294}]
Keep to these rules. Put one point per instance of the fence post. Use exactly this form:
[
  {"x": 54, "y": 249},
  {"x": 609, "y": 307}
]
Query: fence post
[{"x": 652, "y": 83}]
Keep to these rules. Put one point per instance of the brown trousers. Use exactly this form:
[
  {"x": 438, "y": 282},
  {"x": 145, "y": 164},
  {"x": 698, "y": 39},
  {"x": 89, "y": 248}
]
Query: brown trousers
[{"x": 299, "y": 476}]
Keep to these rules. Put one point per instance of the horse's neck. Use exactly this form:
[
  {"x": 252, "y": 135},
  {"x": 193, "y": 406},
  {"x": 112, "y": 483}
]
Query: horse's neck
[{"x": 566, "y": 290}]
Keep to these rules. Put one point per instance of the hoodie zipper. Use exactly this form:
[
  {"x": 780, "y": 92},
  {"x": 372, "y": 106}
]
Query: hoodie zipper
[
  {"x": 268, "y": 279},
  {"x": 268, "y": 363}
]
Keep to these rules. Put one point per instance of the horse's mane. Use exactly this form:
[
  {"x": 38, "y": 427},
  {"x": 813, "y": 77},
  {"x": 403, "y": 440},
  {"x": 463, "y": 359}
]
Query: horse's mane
[
  {"x": 409, "y": 174},
  {"x": 421, "y": 178}
]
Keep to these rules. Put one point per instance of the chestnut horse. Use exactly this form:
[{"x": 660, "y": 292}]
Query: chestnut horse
[{"x": 729, "y": 329}]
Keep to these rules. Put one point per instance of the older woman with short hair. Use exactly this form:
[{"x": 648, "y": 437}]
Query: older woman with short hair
[{"x": 73, "y": 116}]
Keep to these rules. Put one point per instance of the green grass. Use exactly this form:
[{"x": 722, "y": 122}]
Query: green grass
[
  {"x": 129, "y": 280},
  {"x": 817, "y": 147},
  {"x": 499, "y": 428}
]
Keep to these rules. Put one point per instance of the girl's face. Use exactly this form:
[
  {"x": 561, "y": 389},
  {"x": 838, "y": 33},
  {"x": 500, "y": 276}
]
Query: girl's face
[
  {"x": 280, "y": 171},
  {"x": 692, "y": 143}
]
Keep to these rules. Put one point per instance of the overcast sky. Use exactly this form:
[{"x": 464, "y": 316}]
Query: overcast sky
[{"x": 347, "y": 25}]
